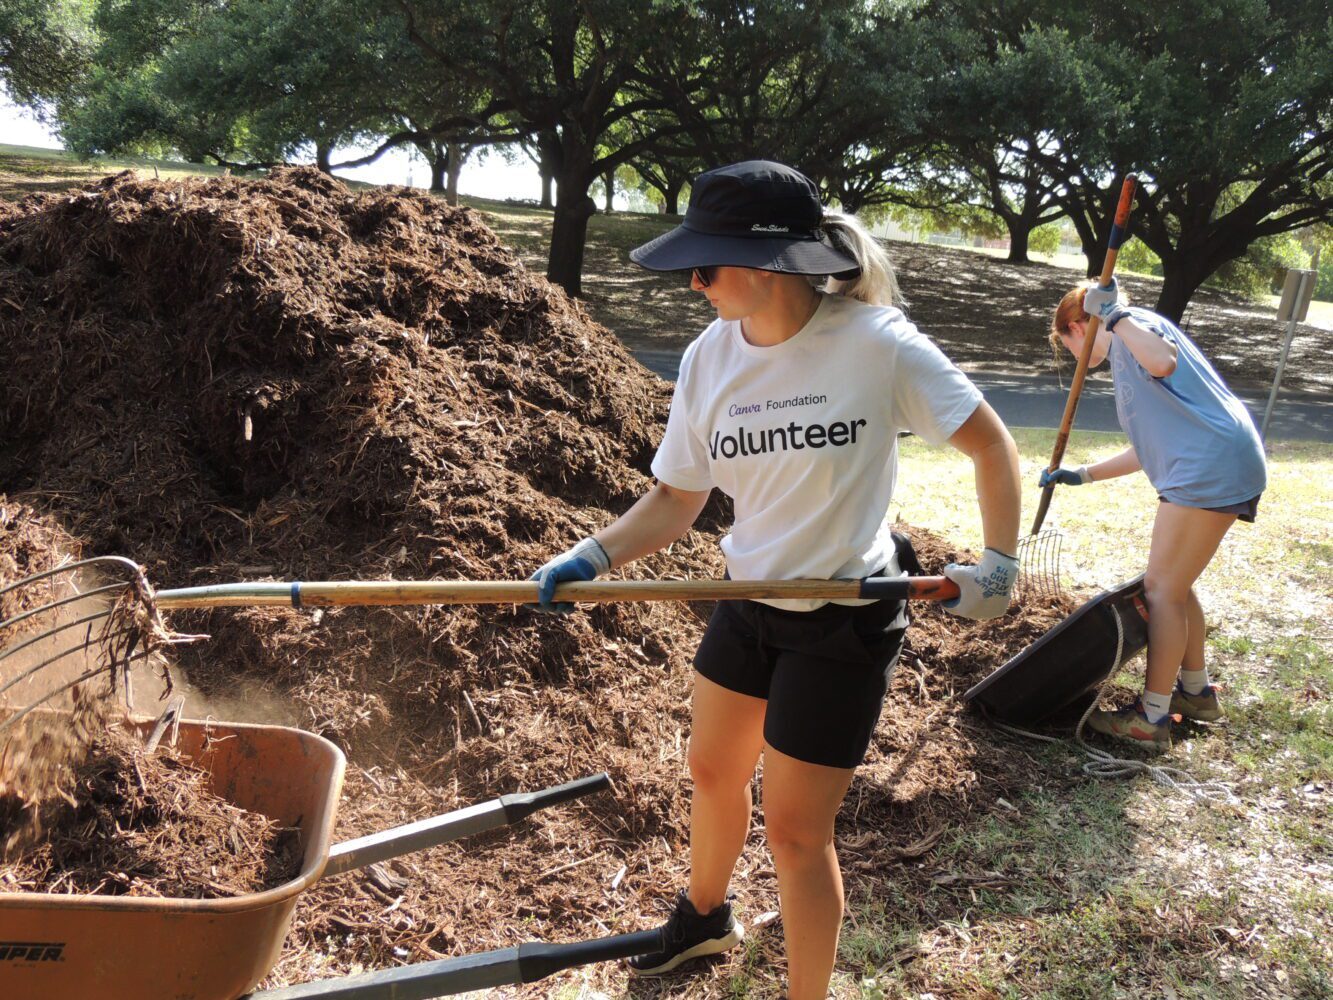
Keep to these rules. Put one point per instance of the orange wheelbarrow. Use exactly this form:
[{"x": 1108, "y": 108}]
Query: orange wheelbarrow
[{"x": 54, "y": 947}]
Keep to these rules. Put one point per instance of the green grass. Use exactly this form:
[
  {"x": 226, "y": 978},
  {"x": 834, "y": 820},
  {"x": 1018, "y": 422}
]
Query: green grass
[{"x": 1119, "y": 888}]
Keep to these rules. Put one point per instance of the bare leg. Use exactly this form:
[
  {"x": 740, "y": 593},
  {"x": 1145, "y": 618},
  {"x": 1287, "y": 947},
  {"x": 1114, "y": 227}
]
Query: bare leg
[
  {"x": 800, "y": 803},
  {"x": 1198, "y": 632},
  {"x": 1184, "y": 540},
  {"x": 727, "y": 734}
]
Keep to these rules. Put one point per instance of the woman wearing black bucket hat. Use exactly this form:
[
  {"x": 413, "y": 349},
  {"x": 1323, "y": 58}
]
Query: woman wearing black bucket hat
[{"x": 791, "y": 403}]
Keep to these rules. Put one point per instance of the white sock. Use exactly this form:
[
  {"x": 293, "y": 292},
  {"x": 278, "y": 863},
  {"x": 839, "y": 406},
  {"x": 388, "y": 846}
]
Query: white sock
[
  {"x": 1156, "y": 706},
  {"x": 1194, "y": 681}
]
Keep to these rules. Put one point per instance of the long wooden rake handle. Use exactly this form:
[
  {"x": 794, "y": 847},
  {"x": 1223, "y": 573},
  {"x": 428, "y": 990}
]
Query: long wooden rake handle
[
  {"x": 406, "y": 592},
  {"x": 1119, "y": 233}
]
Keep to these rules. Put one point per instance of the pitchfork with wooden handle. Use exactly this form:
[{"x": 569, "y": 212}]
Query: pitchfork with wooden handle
[
  {"x": 56, "y": 595},
  {"x": 1119, "y": 233},
  {"x": 387, "y": 592}
]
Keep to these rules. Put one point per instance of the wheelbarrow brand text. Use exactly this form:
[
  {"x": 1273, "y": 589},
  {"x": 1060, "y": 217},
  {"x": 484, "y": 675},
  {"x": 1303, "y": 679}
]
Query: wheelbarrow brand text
[{"x": 31, "y": 951}]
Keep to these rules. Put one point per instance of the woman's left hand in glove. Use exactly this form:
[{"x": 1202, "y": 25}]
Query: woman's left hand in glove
[
  {"x": 984, "y": 588},
  {"x": 585, "y": 561}
]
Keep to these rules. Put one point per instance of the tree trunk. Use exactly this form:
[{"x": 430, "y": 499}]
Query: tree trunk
[
  {"x": 1092, "y": 213},
  {"x": 1094, "y": 251},
  {"x": 439, "y": 167},
  {"x": 549, "y": 157},
  {"x": 1019, "y": 231},
  {"x": 455, "y": 155},
  {"x": 573, "y": 209},
  {"x": 323, "y": 156},
  {"x": 569, "y": 236},
  {"x": 671, "y": 197},
  {"x": 1020, "y": 226},
  {"x": 609, "y": 179},
  {"x": 1188, "y": 265},
  {"x": 1177, "y": 288}
]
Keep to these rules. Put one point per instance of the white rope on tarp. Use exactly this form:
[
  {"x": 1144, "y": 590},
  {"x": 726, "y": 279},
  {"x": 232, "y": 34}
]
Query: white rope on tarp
[{"x": 1106, "y": 765}]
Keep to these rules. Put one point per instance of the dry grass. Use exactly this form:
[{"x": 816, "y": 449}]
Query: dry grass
[{"x": 1122, "y": 889}]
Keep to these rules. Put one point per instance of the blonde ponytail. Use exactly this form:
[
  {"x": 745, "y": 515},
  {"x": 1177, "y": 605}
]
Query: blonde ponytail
[{"x": 876, "y": 284}]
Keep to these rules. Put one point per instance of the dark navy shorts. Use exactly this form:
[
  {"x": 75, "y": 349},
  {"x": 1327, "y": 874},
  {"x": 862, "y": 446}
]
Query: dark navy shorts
[
  {"x": 1245, "y": 510},
  {"x": 824, "y": 673}
]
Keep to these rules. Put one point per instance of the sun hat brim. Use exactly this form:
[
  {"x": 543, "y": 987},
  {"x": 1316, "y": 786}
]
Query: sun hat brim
[{"x": 684, "y": 249}]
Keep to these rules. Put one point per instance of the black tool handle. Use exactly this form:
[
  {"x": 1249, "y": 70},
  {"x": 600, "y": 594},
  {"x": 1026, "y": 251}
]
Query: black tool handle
[
  {"x": 907, "y": 588},
  {"x": 537, "y": 960},
  {"x": 525, "y": 963},
  {"x": 520, "y": 804}
]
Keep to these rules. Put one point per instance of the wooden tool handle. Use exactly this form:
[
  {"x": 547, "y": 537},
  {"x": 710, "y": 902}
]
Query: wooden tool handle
[
  {"x": 1119, "y": 233},
  {"x": 411, "y": 592}
]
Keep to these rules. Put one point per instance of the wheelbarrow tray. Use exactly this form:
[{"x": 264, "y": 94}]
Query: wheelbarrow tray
[
  {"x": 1058, "y": 674},
  {"x": 144, "y": 948}
]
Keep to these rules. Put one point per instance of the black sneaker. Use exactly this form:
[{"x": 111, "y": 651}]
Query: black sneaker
[{"x": 689, "y": 935}]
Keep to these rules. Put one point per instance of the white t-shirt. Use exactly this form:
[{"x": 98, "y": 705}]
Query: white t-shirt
[{"x": 803, "y": 436}]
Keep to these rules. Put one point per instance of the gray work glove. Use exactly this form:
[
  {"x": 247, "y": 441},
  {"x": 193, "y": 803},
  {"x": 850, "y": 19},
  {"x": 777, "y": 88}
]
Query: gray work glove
[
  {"x": 1104, "y": 303},
  {"x": 585, "y": 561},
  {"x": 985, "y": 587}
]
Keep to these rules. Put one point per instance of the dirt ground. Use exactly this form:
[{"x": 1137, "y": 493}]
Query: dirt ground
[{"x": 987, "y": 314}]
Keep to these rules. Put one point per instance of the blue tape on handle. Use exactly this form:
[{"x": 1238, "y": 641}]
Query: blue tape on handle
[
  {"x": 1118, "y": 236},
  {"x": 296, "y": 595}
]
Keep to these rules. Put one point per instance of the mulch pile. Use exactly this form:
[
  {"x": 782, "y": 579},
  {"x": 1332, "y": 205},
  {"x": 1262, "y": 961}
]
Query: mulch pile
[
  {"x": 30, "y": 544},
  {"x": 227, "y": 379}
]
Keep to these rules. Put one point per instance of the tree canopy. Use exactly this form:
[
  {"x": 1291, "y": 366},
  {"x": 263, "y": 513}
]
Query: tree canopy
[
  {"x": 1025, "y": 112},
  {"x": 44, "y": 48}
]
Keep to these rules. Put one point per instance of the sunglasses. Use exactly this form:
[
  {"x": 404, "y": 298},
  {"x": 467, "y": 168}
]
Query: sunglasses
[{"x": 706, "y": 275}]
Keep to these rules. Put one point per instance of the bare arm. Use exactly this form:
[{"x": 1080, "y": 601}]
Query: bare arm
[
  {"x": 984, "y": 438},
  {"x": 657, "y": 519},
  {"x": 1153, "y": 352},
  {"x": 1124, "y": 464}
]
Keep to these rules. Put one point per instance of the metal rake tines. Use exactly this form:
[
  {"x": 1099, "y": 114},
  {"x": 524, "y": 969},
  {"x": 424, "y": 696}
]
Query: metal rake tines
[
  {"x": 101, "y": 630},
  {"x": 1039, "y": 566}
]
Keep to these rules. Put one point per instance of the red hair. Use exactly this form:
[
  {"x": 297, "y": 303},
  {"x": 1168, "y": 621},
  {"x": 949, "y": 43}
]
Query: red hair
[{"x": 1070, "y": 310}]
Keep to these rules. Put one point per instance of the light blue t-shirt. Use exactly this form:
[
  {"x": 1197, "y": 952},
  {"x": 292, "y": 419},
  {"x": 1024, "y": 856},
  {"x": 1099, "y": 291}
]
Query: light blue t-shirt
[{"x": 1196, "y": 441}]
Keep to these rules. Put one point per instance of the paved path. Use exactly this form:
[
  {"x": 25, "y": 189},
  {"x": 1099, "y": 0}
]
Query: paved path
[{"x": 1039, "y": 401}]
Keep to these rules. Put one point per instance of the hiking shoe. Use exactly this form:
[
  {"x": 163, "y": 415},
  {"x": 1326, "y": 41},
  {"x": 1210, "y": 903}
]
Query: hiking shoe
[
  {"x": 1131, "y": 725},
  {"x": 690, "y": 935},
  {"x": 1202, "y": 707}
]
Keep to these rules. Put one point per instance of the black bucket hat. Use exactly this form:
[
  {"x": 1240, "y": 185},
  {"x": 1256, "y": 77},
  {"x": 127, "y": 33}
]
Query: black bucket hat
[{"x": 757, "y": 214}]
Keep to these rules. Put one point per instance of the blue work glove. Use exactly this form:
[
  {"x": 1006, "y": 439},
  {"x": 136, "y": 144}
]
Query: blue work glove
[
  {"x": 1104, "y": 303},
  {"x": 585, "y": 561},
  {"x": 985, "y": 587},
  {"x": 1065, "y": 477}
]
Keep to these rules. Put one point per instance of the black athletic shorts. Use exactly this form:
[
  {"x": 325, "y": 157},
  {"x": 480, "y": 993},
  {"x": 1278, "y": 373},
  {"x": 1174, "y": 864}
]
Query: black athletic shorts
[{"x": 824, "y": 672}]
